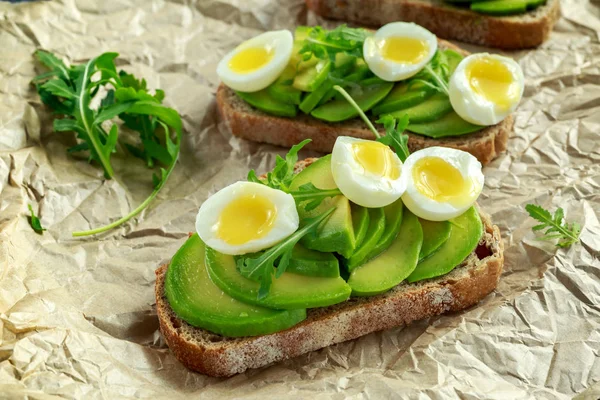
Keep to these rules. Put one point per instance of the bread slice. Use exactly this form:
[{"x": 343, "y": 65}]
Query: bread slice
[
  {"x": 215, "y": 355},
  {"x": 447, "y": 21},
  {"x": 249, "y": 123}
]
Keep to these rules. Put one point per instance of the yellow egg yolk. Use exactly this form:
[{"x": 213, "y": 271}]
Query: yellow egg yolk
[
  {"x": 376, "y": 158},
  {"x": 404, "y": 50},
  {"x": 246, "y": 218},
  {"x": 439, "y": 180},
  {"x": 250, "y": 59},
  {"x": 492, "y": 80}
]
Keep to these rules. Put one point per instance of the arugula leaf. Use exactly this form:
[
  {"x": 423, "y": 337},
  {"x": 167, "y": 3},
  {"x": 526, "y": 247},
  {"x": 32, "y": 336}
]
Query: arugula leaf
[
  {"x": 283, "y": 173},
  {"x": 394, "y": 136},
  {"x": 555, "y": 225},
  {"x": 69, "y": 91},
  {"x": 262, "y": 268},
  {"x": 325, "y": 44},
  {"x": 34, "y": 221},
  {"x": 313, "y": 195},
  {"x": 435, "y": 74}
]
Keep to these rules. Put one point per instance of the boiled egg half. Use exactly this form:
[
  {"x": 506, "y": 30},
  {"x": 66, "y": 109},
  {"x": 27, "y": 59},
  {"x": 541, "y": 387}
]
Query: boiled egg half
[
  {"x": 399, "y": 50},
  {"x": 246, "y": 217},
  {"x": 256, "y": 63},
  {"x": 486, "y": 88},
  {"x": 367, "y": 172},
  {"x": 441, "y": 183}
]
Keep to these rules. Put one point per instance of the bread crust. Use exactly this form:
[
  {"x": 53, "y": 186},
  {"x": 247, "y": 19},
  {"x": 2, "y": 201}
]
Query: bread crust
[
  {"x": 249, "y": 123},
  {"x": 447, "y": 21},
  {"x": 214, "y": 355}
]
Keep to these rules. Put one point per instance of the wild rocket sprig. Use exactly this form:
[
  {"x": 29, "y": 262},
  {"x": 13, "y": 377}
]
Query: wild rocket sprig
[
  {"x": 307, "y": 195},
  {"x": 555, "y": 225},
  {"x": 69, "y": 92}
]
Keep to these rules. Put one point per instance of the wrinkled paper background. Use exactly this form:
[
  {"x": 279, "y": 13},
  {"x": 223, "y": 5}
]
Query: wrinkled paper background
[{"x": 76, "y": 315}]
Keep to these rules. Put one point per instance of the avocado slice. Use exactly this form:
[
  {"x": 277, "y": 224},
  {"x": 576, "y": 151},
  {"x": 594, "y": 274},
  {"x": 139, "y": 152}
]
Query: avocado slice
[
  {"x": 336, "y": 234},
  {"x": 402, "y": 97},
  {"x": 392, "y": 266},
  {"x": 506, "y": 7},
  {"x": 198, "y": 301},
  {"x": 288, "y": 292},
  {"x": 374, "y": 233},
  {"x": 435, "y": 235},
  {"x": 282, "y": 90},
  {"x": 265, "y": 102},
  {"x": 360, "y": 222},
  {"x": 313, "y": 263},
  {"x": 311, "y": 78},
  {"x": 450, "y": 124},
  {"x": 465, "y": 234},
  {"x": 373, "y": 91},
  {"x": 393, "y": 220},
  {"x": 430, "y": 110}
]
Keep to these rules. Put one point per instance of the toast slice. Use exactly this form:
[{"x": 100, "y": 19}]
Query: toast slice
[
  {"x": 447, "y": 21},
  {"x": 246, "y": 122},
  {"x": 215, "y": 355}
]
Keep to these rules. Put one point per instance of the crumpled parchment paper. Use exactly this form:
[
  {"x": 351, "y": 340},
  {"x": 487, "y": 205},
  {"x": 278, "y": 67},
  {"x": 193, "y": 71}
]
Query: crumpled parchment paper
[{"x": 76, "y": 315}]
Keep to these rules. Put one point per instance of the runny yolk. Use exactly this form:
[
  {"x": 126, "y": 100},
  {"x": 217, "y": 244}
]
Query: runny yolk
[
  {"x": 250, "y": 59},
  {"x": 246, "y": 218},
  {"x": 492, "y": 80},
  {"x": 376, "y": 158},
  {"x": 437, "y": 179},
  {"x": 404, "y": 49}
]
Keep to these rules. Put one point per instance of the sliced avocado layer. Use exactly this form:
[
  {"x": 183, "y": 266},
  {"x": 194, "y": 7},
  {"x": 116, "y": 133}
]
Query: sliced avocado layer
[
  {"x": 392, "y": 266},
  {"x": 198, "y": 301},
  {"x": 435, "y": 235},
  {"x": 466, "y": 232},
  {"x": 313, "y": 263},
  {"x": 267, "y": 103},
  {"x": 376, "y": 229},
  {"x": 288, "y": 292},
  {"x": 506, "y": 7},
  {"x": 430, "y": 110},
  {"x": 450, "y": 124},
  {"x": 336, "y": 234},
  {"x": 360, "y": 221},
  {"x": 393, "y": 220}
]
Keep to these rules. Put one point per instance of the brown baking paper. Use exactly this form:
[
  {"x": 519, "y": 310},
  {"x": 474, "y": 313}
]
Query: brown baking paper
[{"x": 76, "y": 315}]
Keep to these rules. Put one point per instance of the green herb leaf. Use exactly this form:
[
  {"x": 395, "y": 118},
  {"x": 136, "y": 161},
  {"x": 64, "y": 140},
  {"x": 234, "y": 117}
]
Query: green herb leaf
[
  {"x": 555, "y": 225},
  {"x": 394, "y": 136},
  {"x": 325, "y": 44},
  {"x": 435, "y": 74},
  {"x": 34, "y": 221},
  {"x": 312, "y": 196},
  {"x": 262, "y": 267},
  {"x": 283, "y": 173},
  {"x": 69, "y": 91}
]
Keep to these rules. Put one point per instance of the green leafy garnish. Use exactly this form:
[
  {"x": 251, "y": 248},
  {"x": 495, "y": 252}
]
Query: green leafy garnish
[
  {"x": 262, "y": 268},
  {"x": 325, "y": 44},
  {"x": 555, "y": 225},
  {"x": 435, "y": 74},
  {"x": 394, "y": 136},
  {"x": 34, "y": 221},
  {"x": 283, "y": 173},
  {"x": 312, "y": 196},
  {"x": 69, "y": 92}
]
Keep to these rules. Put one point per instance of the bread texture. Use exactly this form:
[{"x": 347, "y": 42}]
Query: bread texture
[
  {"x": 448, "y": 21},
  {"x": 219, "y": 356},
  {"x": 246, "y": 122}
]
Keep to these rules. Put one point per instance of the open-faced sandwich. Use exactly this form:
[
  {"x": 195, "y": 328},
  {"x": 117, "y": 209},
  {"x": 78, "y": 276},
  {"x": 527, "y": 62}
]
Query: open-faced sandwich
[
  {"x": 279, "y": 88},
  {"x": 325, "y": 250},
  {"x": 508, "y": 24}
]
